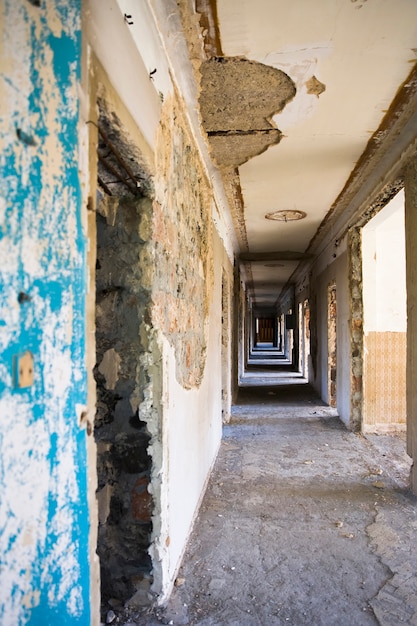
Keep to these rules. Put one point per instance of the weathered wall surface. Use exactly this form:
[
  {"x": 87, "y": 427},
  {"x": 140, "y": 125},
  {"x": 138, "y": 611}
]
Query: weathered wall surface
[
  {"x": 182, "y": 302},
  {"x": 182, "y": 400},
  {"x": 187, "y": 307},
  {"x": 192, "y": 428},
  {"x": 44, "y": 521}
]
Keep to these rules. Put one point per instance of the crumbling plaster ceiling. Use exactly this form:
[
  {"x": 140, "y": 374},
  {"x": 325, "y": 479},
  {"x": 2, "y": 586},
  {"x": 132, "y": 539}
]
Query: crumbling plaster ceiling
[
  {"x": 347, "y": 59},
  {"x": 245, "y": 95}
]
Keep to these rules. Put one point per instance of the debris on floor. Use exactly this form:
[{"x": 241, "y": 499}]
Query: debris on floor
[{"x": 296, "y": 527}]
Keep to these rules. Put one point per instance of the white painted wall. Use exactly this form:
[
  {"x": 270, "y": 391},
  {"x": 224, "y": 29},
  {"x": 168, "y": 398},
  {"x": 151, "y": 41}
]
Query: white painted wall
[
  {"x": 383, "y": 253},
  {"x": 192, "y": 430}
]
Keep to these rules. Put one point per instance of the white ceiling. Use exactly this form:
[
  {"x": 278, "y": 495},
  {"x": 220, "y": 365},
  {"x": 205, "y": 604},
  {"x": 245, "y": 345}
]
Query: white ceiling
[{"x": 362, "y": 51}]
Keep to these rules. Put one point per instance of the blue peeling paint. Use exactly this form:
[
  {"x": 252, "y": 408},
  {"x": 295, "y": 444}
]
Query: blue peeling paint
[{"x": 44, "y": 531}]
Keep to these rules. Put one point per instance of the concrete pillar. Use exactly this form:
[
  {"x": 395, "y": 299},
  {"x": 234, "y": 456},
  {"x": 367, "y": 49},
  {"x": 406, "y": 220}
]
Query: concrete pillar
[{"x": 411, "y": 282}]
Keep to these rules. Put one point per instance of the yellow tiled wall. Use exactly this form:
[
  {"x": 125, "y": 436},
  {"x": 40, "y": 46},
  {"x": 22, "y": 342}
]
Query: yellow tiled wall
[{"x": 384, "y": 381}]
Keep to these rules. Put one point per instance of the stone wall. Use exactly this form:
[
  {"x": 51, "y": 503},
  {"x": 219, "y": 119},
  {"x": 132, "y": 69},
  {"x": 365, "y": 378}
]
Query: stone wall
[
  {"x": 124, "y": 465},
  {"x": 183, "y": 257}
]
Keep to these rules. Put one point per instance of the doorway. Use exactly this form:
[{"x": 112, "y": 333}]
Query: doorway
[
  {"x": 385, "y": 319},
  {"x": 122, "y": 370},
  {"x": 331, "y": 345},
  {"x": 265, "y": 331}
]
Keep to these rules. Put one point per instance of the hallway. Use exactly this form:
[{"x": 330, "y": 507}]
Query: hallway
[
  {"x": 303, "y": 522},
  {"x": 193, "y": 191}
]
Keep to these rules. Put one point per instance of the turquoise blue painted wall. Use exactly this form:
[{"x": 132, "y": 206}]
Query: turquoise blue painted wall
[{"x": 44, "y": 519}]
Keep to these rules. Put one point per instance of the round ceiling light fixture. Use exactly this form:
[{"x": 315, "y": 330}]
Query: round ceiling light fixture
[{"x": 289, "y": 215}]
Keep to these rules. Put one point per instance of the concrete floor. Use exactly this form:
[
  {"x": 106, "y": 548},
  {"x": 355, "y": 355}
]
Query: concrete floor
[{"x": 303, "y": 522}]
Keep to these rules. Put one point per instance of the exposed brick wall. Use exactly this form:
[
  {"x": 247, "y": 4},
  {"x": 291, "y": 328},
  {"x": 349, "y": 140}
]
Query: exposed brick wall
[{"x": 182, "y": 238}]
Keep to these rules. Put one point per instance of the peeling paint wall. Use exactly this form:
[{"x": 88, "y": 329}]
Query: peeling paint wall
[
  {"x": 181, "y": 328},
  {"x": 44, "y": 519}
]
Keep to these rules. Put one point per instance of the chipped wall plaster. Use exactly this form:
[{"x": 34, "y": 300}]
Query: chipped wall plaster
[
  {"x": 182, "y": 234},
  {"x": 44, "y": 574},
  {"x": 184, "y": 63},
  {"x": 184, "y": 401},
  {"x": 191, "y": 433},
  {"x": 188, "y": 259}
]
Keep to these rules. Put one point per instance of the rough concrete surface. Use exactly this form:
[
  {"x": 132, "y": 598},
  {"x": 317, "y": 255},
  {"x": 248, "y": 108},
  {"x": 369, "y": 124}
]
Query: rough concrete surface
[
  {"x": 237, "y": 101},
  {"x": 303, "y": 523}
]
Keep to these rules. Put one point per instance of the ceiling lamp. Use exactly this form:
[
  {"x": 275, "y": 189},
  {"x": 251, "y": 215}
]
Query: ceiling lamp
[{"x": 286, "y": 215}]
